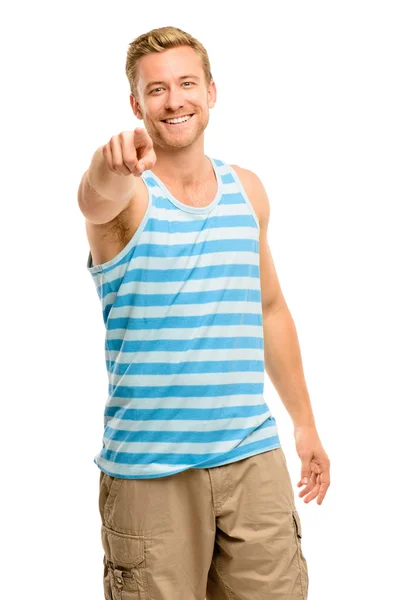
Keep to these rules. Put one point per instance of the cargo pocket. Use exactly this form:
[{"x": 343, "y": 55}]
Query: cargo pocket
[
  {"x": 301, "y": 559},
  {"x": 125, "y": 566}
]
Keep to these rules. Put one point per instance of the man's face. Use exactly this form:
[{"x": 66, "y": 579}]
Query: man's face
[{"x": 172, "y": 84}]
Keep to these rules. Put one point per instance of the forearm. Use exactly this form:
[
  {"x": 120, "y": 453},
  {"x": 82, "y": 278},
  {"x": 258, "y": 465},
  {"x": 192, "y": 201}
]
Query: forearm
[
  {"x": 284, "y": 365},
  {"x": 102, "y": 193},
  {"x": 107, "y": 183}
]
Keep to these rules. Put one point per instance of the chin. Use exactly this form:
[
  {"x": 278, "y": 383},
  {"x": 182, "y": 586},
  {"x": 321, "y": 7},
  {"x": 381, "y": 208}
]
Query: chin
[{"x": 179, "y": 142}]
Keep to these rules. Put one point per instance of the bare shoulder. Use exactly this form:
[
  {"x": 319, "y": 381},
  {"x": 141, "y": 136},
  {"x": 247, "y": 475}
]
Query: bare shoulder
[{"x": 256, "y": 193}]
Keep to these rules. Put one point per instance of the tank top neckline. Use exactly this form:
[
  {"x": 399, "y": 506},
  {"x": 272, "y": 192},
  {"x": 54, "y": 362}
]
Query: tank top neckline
[{"x": 186, "y": 207}]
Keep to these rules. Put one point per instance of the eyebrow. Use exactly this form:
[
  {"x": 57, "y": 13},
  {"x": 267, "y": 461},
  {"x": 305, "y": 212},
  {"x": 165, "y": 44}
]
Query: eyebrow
[{"x": 182, "y": 77}]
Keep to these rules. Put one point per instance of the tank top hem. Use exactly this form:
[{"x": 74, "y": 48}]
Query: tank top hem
[{"x": 203, "y": 465}]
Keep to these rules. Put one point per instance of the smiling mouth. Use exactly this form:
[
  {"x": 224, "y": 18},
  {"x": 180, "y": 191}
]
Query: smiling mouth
[{"x": 180, "y": 123}]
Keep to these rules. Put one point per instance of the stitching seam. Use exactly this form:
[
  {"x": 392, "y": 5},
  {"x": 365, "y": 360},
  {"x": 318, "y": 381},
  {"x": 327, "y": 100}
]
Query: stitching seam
[
  {"x": 299, "y": 559},
  {"x": 229, "y": 592}
]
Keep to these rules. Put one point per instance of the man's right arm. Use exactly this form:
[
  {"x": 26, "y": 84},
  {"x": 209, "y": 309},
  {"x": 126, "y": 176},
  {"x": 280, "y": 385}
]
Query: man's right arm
[{"x": 103, "y": 194}]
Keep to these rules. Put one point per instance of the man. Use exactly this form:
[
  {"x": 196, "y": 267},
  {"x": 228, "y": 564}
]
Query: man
[{"x": 195, "y": 496}]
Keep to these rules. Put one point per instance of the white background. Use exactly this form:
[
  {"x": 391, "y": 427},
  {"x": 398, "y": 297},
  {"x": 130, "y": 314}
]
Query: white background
[{"x": 308, "y": 98}]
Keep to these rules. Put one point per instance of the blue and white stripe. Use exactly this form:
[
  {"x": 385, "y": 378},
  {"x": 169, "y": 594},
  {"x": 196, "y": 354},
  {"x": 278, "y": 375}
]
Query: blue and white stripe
[{"x": 181, "y": 304}]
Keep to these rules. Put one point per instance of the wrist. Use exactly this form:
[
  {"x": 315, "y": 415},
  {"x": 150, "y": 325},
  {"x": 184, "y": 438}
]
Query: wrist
[{"x": 305, "y": 424}]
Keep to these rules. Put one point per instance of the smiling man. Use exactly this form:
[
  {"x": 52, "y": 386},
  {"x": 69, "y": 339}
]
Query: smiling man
[{"x": 195, "y": 495}]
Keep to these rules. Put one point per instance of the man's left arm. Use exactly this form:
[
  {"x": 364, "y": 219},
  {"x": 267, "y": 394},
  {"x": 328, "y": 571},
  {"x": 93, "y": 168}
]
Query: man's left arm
[{"x": 282, "y": 354}]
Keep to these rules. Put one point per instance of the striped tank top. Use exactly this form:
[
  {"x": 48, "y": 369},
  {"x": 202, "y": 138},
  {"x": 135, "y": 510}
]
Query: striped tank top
[{"x": 184, "y": 346}]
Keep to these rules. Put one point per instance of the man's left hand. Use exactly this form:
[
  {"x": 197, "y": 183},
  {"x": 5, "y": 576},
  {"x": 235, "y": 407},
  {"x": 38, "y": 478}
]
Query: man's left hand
[{"x": 315, "y": 464}]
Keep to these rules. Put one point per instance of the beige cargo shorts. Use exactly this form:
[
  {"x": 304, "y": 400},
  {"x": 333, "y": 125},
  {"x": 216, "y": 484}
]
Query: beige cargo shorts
[{"x": 223, "y": 533}]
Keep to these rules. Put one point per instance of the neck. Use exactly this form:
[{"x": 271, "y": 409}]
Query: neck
[{"x": 184, "y": 166}]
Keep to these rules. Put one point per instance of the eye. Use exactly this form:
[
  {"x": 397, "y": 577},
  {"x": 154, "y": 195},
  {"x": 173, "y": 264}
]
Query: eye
[
  {"x": 189, "y": 82},
  {"x": 155, "y": 89}
]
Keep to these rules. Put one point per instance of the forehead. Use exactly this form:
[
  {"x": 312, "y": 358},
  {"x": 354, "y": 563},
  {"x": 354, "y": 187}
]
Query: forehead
[{"x": 168, "y": 64}]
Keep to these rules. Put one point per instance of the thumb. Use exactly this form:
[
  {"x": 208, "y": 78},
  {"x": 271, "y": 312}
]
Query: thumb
[{"x": 305, "y": 472}]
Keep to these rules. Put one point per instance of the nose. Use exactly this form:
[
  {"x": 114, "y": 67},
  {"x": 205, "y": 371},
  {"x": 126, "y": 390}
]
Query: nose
[{"x": 175, "y": 99}]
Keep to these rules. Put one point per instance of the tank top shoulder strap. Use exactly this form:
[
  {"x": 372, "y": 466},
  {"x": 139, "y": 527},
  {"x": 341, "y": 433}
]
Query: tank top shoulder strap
[{"x": 231, "y": 176}]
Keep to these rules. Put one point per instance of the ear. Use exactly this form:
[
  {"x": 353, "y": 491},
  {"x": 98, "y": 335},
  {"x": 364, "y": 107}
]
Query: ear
[
  {"x": 135, "y": 107},
  {"x": 212, "y": 94}
]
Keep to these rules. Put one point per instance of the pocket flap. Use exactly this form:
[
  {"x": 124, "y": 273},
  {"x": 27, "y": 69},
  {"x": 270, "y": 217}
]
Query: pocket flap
[
  {"x": 122, "y": 549},
  {"x": 297, "y": 521}
]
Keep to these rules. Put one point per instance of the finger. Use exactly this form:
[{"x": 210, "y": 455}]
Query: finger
[
  {"x": 310, "y": 478},
  {"x": 309, "y": 486},
  {"x": 142, "y": 140},
  {"x": 118, "y": 163},
  {"x": 108, "y": 156},
  {"x": 307, "y": 489},
  {"x": 315, "y": 469},
  {"x": 325, "y": 483},
  {"x": 306, "y": 472},
  {"x": 129, "y": 154},
  {"x": 148, "y": 161},
  {"x": 313, "y": 494},
  {"x": 320, "y": 488}
]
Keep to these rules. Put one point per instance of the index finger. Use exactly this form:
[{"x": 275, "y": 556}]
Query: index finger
[{"x": 141, "y": 138}]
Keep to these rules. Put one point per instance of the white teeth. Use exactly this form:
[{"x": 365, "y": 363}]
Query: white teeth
[{"x": 181, "y": 120}]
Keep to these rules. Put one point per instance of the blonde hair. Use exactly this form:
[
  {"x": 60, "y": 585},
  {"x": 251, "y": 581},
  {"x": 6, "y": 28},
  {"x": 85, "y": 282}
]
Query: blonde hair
[{"x": 158, "y": 40}]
